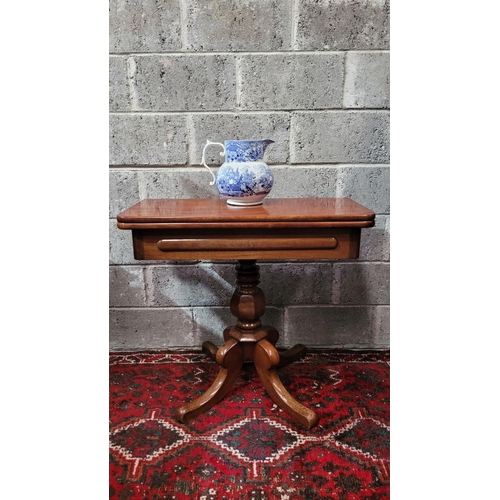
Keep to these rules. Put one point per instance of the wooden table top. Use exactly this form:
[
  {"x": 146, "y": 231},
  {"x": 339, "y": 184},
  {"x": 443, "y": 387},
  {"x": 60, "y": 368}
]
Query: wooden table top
[{"x": 160, "y": 213}]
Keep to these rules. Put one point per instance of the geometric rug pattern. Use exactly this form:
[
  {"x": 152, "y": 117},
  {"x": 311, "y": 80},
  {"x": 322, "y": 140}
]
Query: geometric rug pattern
[{"x": 246, "y": 446}]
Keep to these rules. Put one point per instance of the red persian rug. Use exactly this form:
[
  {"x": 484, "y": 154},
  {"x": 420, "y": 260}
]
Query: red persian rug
[{"x": 246, "y": 447}]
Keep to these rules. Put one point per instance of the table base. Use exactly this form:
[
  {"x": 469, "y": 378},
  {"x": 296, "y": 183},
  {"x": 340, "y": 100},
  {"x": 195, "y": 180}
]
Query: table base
[{"x": 249, "y": 340}]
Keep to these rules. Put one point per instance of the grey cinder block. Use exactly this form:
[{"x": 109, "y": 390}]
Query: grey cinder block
[
  {"x": 382, "y": 328},
  {"x": 147, "y": 139},
  {"x": 118, "y": 84},
  {"x": 367, "y": 83},
  {"x": 183, "y": 83},
  {"x": 144, "y": 26},
  {"x": 200, "y": 285},
  {"x": 182, "y": 182},
  {"x": 233, "y": 126},
  {"x": 210, "y": 322},
  {"x": 236, "y": 25},
  {"x": 365, "y": 184},
  {"x": 126, "y": 286},
  {"x": 361, "y": 283},
  {"x": 335, "y": 326},
  {"x": 296, "y": 283},
  {"x": 340, "y": 137},
  {"x": 291, "y": 81},
  {"x": 123, "y": 190},
  {"x": 375, "y": 241},
  {"x": 146, "y": 328},
  {"x": 303, "y": 182},
  {"x": 342, "y": 25},
  {"x": 120, "y": 245}
]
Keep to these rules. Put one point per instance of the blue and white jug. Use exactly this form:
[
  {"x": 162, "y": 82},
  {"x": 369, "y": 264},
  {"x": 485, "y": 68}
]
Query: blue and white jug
[{"x": 244, "y": 178}]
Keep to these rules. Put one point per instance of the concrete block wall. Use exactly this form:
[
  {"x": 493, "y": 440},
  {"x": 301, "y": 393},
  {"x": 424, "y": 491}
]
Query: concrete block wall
[{"x": 311, "y": 75}]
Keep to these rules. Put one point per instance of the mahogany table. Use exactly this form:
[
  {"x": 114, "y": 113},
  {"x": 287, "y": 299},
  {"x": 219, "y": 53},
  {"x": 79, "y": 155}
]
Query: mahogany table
[{"x": 279, "y": 229}]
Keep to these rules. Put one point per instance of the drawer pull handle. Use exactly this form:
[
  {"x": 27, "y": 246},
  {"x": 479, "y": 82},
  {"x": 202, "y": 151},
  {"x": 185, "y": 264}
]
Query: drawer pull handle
[{"x": 247, "y": 244}]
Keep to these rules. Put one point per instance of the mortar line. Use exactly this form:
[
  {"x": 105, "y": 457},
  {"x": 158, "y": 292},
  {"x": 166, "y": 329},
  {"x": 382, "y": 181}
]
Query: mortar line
[
  {"x": 133, "y": 98},
  {"x": 332, "y": 288},
  {"x": 338, "y": 181},
  {"x": 143, "y": 192},
  {"x": 252, "y": 111},
  {"x": 284, "y": 319},
  {"x": 183, "y": 20},
  {"x": 358, "y": 262},
  {"x": 238, "y": 82},
  {"x": 154, "y": 308},
  {"x": 337, "y": 306},
  {"x": 195, "y": 167},
  {"x": 344, "y": 78},
  {"x": 294, "y": 27},
  {"x": 149, "y": 166},
  {"x": 147, "y": 291},
  {"x": 245, "y": 53},
  {"x": 191, "y": 139}
]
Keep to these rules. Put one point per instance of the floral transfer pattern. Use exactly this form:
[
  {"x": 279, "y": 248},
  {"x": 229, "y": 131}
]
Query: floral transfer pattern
[{"x": 244, "y": 180}]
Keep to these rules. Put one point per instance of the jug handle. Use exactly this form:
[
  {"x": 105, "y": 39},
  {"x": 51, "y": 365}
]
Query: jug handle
[{"x": 210, "y": 143}]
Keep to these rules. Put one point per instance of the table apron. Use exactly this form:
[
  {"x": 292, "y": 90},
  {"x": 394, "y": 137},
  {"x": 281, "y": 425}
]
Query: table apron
[{"x": 229, "y": 244}]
